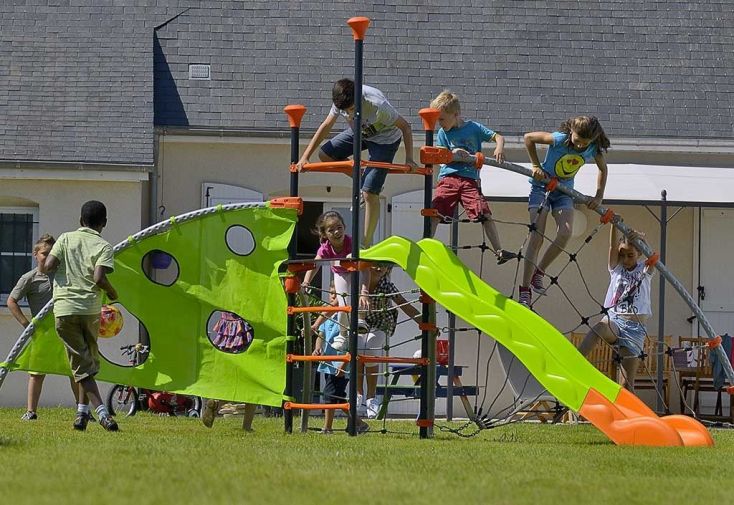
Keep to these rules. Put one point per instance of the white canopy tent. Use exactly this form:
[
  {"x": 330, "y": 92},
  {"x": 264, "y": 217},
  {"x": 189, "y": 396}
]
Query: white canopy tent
[{"x": 631, "y": 184}]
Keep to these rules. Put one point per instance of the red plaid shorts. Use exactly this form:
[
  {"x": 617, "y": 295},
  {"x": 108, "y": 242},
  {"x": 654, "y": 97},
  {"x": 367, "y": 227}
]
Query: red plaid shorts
[{"x": 451, "y": 190}]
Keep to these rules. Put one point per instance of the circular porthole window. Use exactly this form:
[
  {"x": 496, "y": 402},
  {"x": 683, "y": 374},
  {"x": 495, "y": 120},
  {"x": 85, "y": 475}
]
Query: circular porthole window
[
  {"x": 163, "y": 269},
  {"x": 240, "y": 240},
  {"x": 130, "y": 346},
  {"x": 229, "y": 332}
]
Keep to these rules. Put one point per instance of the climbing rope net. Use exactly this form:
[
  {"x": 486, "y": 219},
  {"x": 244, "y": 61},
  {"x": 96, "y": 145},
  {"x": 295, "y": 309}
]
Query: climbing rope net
[{"x": 489, "y": 408}]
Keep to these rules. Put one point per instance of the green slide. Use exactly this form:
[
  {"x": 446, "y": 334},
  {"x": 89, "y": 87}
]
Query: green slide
[{"x": 549, "y": 356}]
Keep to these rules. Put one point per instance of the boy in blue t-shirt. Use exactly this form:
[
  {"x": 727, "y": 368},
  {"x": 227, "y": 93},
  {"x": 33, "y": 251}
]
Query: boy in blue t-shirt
[{"x": 458, "y": 181}]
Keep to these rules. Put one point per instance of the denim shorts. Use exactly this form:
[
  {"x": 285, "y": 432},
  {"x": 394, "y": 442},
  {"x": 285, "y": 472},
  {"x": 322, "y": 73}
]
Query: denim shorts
[
  {"x": 630, "y": 333},
  {"x": 341, "y": 147},
  {"x": 556, "y": 199}
]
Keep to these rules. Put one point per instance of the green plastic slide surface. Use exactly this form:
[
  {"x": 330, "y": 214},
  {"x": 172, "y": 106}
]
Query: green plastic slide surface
[
  {"x": 549, "y": 356},
  {"x": 212, "y": 277}
]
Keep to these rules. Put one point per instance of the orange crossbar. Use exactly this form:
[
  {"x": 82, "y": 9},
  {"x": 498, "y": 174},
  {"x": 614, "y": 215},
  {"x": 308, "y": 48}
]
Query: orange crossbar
[
  {"x": 322, "y": 308},
  {"x": 345, "y": 358},
  {"x": 316, "y": 406},
  {"x": 346, "y": 167},
  {"x": 395, "y": 167},
  {"x": 290, "y": 358},
  {"x": 343, "y": 167},
  {"x": 301, "y": 267},
  {"x": 354, "y": 265},
  {"x": 391, "y": 359}
]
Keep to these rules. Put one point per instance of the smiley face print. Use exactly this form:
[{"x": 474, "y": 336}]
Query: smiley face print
[{"x": 568, "y": 165}]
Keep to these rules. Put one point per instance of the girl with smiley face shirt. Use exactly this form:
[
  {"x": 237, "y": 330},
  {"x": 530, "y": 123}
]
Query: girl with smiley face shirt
[{"x": 578, "y": 140}]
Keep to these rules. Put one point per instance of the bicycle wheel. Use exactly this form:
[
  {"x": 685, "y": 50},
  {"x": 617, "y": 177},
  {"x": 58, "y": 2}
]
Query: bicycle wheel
[
  {"x": 195, "y": 410},
  {"x": 191, "y": 408},
  {"x": 122, "y": 400}
]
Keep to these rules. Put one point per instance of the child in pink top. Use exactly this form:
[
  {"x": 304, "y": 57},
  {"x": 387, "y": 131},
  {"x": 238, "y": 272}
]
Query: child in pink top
[{"x": 335, "y": 244}]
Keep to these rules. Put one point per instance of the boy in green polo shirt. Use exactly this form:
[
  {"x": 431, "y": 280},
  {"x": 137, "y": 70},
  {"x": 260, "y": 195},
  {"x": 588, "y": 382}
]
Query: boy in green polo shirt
[{"x": 81, "y": 260}]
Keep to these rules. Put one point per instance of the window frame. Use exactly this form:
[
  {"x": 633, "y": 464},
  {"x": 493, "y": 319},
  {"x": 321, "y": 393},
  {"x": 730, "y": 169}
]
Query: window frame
[{"x": 34, "y": 212}]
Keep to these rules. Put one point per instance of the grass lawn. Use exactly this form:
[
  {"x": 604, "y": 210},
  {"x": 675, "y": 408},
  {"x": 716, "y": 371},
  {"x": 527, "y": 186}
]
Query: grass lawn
[{"x": 155, "y": 460}]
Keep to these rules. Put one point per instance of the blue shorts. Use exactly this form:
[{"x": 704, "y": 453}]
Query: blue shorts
[
  {"x": 335, "y": 389},
  {"x": 556, "y": 200},
  {"x": 630, "y": 333},
  {"x": 341, "y": 147}
]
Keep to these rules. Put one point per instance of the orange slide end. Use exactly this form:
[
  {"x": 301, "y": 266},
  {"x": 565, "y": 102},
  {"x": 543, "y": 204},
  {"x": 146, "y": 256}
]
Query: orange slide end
[{"x": 628, "y": 421}]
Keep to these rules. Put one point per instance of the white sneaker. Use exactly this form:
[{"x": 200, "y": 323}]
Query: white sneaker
[
  {"x": 361, "y": 407},
  {"x": 340, "y": 343},
  {"x": 362, "y": 327},
  {"x": 373, "y": 408}
]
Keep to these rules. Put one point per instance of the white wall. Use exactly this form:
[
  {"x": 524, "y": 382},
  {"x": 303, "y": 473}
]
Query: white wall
[{"x": 59, "y": 203}]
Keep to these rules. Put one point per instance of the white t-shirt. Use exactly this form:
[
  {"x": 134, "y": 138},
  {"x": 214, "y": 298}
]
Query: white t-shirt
[
  {"x": 629, "y": 290},
  {"x": 378, "y": 117}
]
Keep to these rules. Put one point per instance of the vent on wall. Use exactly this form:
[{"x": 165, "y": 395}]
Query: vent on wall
[{"x": 200, "y": 71}]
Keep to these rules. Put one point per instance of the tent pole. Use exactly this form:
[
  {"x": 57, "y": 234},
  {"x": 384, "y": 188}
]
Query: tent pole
[{"x": 659, "y": 403}]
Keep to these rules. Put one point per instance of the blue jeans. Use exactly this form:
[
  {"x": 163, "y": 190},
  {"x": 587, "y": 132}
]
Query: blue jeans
[{"x": 341, "y": 147}]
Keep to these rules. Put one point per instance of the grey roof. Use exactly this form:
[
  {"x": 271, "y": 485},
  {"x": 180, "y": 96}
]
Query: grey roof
[
  {"x": 76, "y": 82},
  {"x": 646, "y": 68},
  {"x": 76, "y": 79}
]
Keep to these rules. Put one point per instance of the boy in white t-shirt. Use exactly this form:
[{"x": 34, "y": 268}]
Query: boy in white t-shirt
[
  {"x": 382, "y": 129},
  {"x": 628, "y": 304}
]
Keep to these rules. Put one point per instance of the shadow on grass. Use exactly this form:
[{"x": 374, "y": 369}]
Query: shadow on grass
[{"x": 6, "y": 442}]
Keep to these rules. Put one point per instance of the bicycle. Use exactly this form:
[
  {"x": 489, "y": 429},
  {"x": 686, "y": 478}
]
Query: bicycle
[{"x": 128, "y": 400}]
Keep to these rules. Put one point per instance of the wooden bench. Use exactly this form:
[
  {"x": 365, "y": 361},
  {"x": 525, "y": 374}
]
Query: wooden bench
[
  {"x": 602, "y": 357},
  {"x": 414, "y": 390},
  {"x": 647, "y": 373},
  {"x": 699, "y": 378}
]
